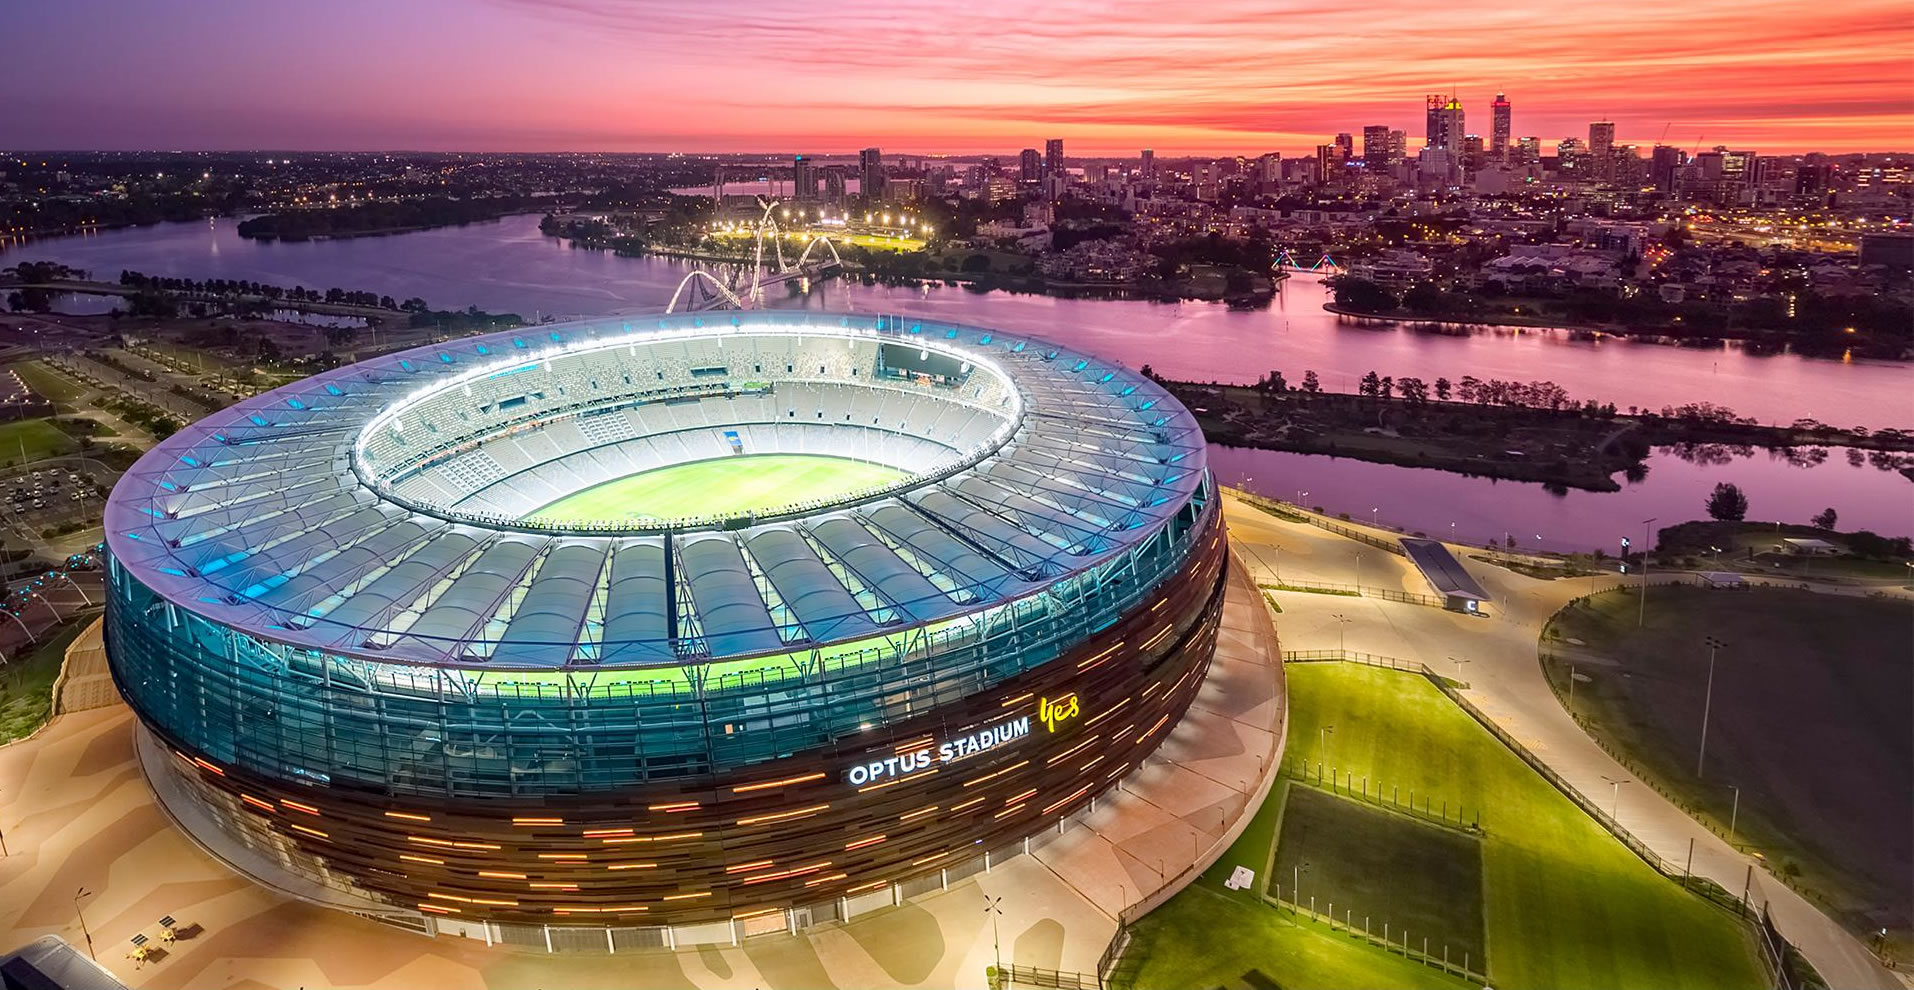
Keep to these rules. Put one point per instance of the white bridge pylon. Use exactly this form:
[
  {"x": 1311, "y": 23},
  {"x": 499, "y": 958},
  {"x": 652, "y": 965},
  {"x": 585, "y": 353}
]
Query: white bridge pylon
[{"x": 702, "y": 289}]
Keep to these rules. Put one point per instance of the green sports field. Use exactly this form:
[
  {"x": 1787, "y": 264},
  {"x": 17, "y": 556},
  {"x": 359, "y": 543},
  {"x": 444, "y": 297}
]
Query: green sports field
[
  {"x": 1563, "y": 903},
  {"x": 721, "y": 486}
]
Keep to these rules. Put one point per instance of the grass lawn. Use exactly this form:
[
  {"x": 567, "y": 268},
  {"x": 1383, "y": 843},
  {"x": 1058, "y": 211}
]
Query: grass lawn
[
  {"x": 721, "y": 486},
  {"x": 46, "y": 382},
  {"x": 1812, "y": 702},
  {"x": 1204, "y": 939},
  {"x": 37, "y": 437},
  {"x": 1384, "y": 867},
  {"x": 1564, "y": 904},
  {"x": 26, "y": 684}
]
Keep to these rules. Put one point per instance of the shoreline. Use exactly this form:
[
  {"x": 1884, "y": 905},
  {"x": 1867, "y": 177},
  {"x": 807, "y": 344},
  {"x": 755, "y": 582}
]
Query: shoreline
[
  {"x": 1562, "y": 449},
  {"x": 1668, "y": 336}
]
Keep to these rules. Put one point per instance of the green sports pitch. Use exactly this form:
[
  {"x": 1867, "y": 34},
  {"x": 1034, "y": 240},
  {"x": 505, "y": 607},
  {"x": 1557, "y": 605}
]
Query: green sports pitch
[{"x": 722, "y": 486}]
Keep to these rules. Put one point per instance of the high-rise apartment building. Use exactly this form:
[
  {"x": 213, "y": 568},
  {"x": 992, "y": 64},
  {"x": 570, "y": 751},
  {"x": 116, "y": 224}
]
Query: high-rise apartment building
[
  {"x": 834, "y": 184},
  {"x": 803, "y": 178},
  {"x": 1601, "y": 149},
  {"x": 1398, "y": 146},
  {"x": 1053, "y": 156},
  {"x": 1432, "y": 122},
  {"x": 1663, "y": 165},
  {"x": 1029, "y": 166},
  {"x": 1375, "y": 146},
  {"x": 1149, "y": 165},
  {"x": 1345, "y": 146},
  {"x": 1500, "y": 119},
  {"x": 870, "y": 173}
]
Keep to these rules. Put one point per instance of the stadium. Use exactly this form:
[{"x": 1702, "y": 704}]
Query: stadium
[{"x": 632, "y": 629}]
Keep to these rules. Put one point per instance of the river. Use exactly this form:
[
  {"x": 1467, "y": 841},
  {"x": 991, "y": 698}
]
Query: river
[{"x": 508, "y": 265}]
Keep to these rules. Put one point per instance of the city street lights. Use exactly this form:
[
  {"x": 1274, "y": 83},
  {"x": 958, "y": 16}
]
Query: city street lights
[
  {"x": 1707, "y": 701},
  {"x": 1342, "y": 622},
  {"x": 83, "y": 892},
  {"x": 994, "y": 910},
  {"x": 1458, "y": 661},
  {"x": 1615, "y": 801},
  {"x": 1359, "y": 572},
  {"x": 1322, "y": 748},
  {"x": 1300, "y": 495},
  {"x": 1733, "y": 814},
  {"x": 1372, "y": 517},
  {"x": 1641, "y": 611}
]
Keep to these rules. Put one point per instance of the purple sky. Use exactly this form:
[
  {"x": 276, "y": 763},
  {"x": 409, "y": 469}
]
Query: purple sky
[{"x": 980, "y": 75}]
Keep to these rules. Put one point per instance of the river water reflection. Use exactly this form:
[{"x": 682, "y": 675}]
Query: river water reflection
[{"x": 508, "y": 265}]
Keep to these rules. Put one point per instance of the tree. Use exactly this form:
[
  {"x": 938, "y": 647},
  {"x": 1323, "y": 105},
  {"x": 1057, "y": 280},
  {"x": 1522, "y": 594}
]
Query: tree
[
  {"x": 1413, "y": 389},
  {"x": 1727, "y": 503},
  {"x": 1277, "y": 383},
  {"x": 1825, "y": 519},
  {"x": 1311, "y": 383},
  {"x": 1442, "y": 389},
  {"x": 1370, "y": 384}
]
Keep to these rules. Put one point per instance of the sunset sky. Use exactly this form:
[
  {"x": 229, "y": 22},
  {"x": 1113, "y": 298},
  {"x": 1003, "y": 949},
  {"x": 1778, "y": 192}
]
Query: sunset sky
[{"x": 1200, "y": 76}]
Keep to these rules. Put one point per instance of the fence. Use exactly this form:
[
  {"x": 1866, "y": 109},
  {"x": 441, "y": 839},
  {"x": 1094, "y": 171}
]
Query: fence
[
  {"x": 1388, "y": 941},
  {"x": 1774, "y": 950},
  {"x": 1346, "y": 784},
  {"x": 1357, "y": 590},
  {"x": 1054, "y": 979}
]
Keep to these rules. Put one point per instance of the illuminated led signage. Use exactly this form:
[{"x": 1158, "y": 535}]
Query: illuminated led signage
[{"x": 954, "y": 749}]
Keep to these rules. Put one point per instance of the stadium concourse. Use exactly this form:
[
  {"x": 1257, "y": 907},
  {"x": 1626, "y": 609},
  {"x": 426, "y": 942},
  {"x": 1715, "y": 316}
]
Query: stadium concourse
[{"x": 914, "y": 607}]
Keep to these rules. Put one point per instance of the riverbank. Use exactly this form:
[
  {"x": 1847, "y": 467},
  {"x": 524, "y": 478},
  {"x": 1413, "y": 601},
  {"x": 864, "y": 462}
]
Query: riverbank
[
  {"x": 1672, "y": 334},
  {"x": 1581, "y": 447},
  {"x": 1195, "y": 288}
]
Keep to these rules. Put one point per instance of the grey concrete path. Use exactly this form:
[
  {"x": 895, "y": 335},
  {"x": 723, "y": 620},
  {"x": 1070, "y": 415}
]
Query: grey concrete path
[{"x": 1500, "y": 664}]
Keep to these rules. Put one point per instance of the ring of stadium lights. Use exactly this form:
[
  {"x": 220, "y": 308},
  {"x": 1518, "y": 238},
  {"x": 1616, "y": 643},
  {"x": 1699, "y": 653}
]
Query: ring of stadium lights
[{"x": 394, "y": 413}]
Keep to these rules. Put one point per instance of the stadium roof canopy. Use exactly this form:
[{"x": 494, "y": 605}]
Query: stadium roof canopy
[{"x": 276, "y": 515}]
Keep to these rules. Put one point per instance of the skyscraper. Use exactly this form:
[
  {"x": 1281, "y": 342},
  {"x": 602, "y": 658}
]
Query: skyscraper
[
  {"x": 1499, "y": 130},
  {"x": 1375, "y": 146},
  {"x": 803, "y": 178},
  {"x": 1432, "y": 109},
  {"x": 870, "y": 173},
  {"x": 1345, "y": 146},
  {"x": 1601, "y": 149},
  {"x": 1452, "y": 130},
  {"x": 1528, "y": 151},
  {"x": 1053, "y": 156},
  {"x": 1029, "y": 166},
  {"x": 1398, "y": 146},
  {"x": 1149, "y": 165}
]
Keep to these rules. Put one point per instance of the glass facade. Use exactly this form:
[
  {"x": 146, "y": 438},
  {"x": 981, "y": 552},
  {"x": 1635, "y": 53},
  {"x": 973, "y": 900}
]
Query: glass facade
[{"x": 294, "y": 714}]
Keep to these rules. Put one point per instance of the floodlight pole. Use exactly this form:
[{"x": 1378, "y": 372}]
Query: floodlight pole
[
  {"x": 1641, "y": 612},
  {"x": 1707, "y": 702}
]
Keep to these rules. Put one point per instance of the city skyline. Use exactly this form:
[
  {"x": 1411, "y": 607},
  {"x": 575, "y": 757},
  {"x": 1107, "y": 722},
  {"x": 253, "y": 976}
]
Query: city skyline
[{"x": 599, "y": 75}]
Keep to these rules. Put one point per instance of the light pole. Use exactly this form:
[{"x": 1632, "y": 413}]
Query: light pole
[
  {"x": 992, "y": 907},
  {"x": 1641, "y": 611},
  {"x": 1359, "y": 572},
  {"x": 1615, "y": 801},
  {"x": 1372, "y": 517},
  {"x": 1342, "y": 622},
  {"x": 1300, "y": 495},
  {"x": 1322, "y": 749},
  {"x": 1707, "y": 701},
  {"x": 1733, "y": 814},
  {"x": 1458, "y": 661},
  {"x": 83, "y": 892}
]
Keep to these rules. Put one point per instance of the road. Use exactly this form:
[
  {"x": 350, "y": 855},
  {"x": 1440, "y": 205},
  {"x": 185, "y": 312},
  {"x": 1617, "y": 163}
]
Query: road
[{"x": 1505, "y": 680}]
